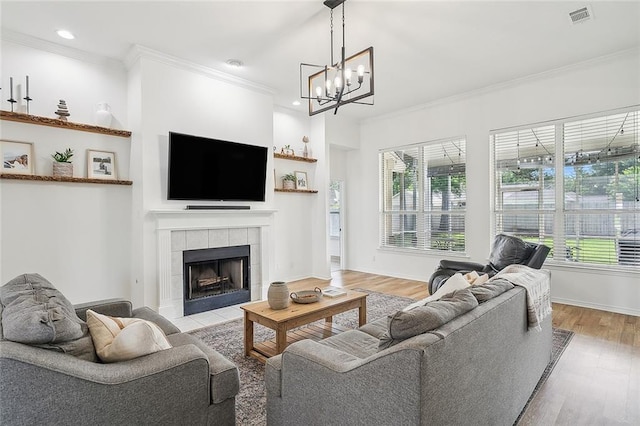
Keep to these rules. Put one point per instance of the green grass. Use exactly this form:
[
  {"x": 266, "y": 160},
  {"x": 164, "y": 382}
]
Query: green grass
[{"x": 587, "y": 250}]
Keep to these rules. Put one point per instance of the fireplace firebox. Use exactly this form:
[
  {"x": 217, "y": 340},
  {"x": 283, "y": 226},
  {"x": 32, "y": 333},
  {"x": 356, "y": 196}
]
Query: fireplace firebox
[{"x": 216, "y": 277}]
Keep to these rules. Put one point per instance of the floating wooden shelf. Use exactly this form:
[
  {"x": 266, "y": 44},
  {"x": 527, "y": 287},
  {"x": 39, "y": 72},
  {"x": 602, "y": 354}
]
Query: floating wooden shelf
[
  {"x": 304, "y": 191},
  {"x": 65, "y": 179},
  {"x": 54, "y": 122},
  {"x": 295, "y": 158}
]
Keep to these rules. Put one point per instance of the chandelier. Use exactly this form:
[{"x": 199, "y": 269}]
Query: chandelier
[{"x": 348, "y": 80}]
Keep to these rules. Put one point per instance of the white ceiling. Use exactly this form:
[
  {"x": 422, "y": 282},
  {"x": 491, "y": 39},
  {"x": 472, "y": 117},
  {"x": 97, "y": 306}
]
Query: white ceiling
[{"x": 424, "y": 50}]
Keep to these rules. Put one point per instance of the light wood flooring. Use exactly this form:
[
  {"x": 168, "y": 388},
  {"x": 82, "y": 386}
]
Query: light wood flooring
[{"x": 595, "y": 382}]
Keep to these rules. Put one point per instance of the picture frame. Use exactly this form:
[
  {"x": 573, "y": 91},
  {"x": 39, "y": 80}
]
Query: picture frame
[
  {"x": 301, "y": 180},
  {"x": 101, "y": 165},
  {"x": 17, "y": 157}
]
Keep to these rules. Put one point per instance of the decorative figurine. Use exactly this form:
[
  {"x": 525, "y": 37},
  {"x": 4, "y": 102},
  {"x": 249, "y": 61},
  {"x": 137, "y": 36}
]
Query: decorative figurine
[
  {"x": 63, "y": 111},
  {"x": 305, "y": 151}
]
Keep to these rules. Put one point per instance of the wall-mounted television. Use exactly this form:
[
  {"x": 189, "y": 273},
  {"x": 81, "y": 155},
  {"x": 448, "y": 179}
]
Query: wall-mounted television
[{"x": 205, "y": 169}]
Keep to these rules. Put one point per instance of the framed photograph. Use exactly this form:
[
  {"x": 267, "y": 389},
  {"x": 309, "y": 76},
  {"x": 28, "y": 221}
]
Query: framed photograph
[
  {"x": 101, "y": 165},
  {"x": 301, "y": 180},
  {"x": 17, "y": 157}
]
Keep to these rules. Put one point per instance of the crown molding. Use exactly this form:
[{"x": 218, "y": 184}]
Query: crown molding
[
  {"x": 59, "y": 49},
  {"x": 505, "y": 85},
  {"x": 138, "y": 52}
]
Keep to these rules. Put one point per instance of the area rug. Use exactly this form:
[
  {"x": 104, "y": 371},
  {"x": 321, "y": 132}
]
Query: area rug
[{"x": 227, "y": 338}]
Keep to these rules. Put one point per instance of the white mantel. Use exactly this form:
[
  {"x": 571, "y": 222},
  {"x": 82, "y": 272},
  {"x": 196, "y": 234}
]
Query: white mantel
[
  {"x": 168, "y": 221},
  {"x": 200, "y": 219}
]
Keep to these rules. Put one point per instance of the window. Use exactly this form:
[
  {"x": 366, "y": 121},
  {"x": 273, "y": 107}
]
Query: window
[
  {"x": 525, "y": 183},
  {"x": 423, "y": 196},
  {"x": 574, "y": 186}
]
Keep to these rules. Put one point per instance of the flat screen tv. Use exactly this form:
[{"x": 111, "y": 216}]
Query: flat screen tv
[{"x": 204, "y": 169}]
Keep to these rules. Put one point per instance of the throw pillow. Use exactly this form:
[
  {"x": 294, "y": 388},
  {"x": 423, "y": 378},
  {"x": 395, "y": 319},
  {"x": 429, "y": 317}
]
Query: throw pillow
[
  {"x": 455, "y": 282},
  {"x": 122, "y": 339},
  {"x": 35, "y": 312},
  {"x": 481, "y": 279},
  {"x": 405, "y": 324},
  {"x": 490, "y": 289}
]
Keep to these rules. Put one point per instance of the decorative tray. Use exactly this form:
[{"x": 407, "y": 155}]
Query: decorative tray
[{"x": 306, "y": 296}]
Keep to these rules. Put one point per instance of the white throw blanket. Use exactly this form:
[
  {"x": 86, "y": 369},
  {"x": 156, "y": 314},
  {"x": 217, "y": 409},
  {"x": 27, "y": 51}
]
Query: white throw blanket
[{"x": 536, "y": 283}]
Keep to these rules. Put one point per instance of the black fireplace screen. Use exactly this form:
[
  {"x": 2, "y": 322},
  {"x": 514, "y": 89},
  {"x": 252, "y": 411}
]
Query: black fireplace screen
[{"x": 216, "y": 277}]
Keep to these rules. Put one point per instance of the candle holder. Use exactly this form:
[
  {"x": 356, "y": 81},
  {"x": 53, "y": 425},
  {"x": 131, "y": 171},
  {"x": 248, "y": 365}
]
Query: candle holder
[
  {"x": 28, "y": 99},
  {"x": 11, "y": 101}
]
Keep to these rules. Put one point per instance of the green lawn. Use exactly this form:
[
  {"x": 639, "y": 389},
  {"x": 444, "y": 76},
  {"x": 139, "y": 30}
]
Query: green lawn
[{"x": 587, "y": 250}]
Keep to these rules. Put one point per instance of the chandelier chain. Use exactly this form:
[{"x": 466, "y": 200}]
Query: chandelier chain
[{"x": 331, "y": 28}]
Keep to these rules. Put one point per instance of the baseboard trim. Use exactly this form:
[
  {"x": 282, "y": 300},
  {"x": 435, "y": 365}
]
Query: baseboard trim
[{"x": 607, "y": 308}]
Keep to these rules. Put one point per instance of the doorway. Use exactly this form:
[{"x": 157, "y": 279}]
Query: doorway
[{"x": 336, "y": 224}]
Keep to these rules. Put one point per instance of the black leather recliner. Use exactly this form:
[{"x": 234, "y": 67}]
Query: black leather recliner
[{"x": 506, "y": 251}]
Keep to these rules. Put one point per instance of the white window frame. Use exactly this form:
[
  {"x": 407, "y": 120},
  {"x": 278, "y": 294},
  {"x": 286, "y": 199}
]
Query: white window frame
[
  {"x": 425, "y": 241},
  {"x": 563, "y": 253}
]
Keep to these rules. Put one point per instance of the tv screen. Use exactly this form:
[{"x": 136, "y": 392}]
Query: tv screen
[{"x": 215, "y": 170}]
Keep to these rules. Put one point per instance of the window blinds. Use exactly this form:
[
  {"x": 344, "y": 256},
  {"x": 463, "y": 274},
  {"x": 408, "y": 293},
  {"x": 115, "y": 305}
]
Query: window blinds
[{"x": 423, "y": 196}]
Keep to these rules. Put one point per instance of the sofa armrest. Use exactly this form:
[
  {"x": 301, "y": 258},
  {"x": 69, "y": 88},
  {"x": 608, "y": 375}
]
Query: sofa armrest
[
  {"x": 225, "y": 378},
  {"x": 111, "y": 307},
  {"x": 149, "y": 314},
  {"x": 167, "y": 387},
  {"x": 461, "y": 265},
  {"x": 107, "y": 374},
  {"x": 319, "y": 384}
]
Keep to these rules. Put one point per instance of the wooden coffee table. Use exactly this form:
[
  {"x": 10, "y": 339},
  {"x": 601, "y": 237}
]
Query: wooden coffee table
[{"x": 296, "y": 315}]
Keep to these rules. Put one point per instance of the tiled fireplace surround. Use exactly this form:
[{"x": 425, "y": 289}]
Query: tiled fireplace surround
[{"x": 179, "y": 230}]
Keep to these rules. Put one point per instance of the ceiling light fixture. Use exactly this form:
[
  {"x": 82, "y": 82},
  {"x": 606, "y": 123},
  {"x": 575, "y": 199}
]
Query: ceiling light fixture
[
  {"x": 234, "y": 63},
  {"x": 66, "y": 34},
  {"x": 350, "y": 80}
]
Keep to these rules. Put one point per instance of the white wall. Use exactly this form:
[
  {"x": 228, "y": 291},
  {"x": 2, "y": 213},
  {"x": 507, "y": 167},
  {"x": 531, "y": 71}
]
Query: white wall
[
  {"x": 184, "y": 99},
  {"x": 74, "y": 234},
  {"x": 599, "y": 85},
  {"x": 301, "y": 218}
]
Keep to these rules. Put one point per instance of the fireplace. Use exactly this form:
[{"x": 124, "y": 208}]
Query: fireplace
[{"x": 216, "y": 277}]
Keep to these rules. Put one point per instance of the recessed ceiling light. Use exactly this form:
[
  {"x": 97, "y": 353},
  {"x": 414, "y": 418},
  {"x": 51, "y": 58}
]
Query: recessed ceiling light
[
  {"x": 65, "y": 34},
  {"x": 295, "y": 103},
  {"x": 234, "y": 63}
]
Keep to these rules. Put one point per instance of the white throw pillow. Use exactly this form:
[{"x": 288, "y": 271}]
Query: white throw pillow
[
  {"x": 453, "y": 283},
  {"x": 121, "y": 339},
  {"x": 481, "y": 279}
]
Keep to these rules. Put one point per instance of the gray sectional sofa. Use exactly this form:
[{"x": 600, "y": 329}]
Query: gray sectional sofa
[
  {"x": 60, "y": 382},
  {"x": 478, "y": 368}
]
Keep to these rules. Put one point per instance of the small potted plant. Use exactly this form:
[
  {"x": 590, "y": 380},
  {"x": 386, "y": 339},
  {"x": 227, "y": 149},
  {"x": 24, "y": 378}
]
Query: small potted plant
[
  {"x": 62, "y": 165},
  {"x": 289, "y": 181}
]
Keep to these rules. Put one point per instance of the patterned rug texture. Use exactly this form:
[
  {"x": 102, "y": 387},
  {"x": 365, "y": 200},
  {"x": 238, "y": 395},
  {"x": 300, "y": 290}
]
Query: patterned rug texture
[{"x": 227, "y": 338}]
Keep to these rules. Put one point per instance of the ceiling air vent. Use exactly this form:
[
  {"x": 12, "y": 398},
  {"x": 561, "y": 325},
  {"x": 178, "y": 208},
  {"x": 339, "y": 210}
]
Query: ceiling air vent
[{"x": 581, "y": 15}]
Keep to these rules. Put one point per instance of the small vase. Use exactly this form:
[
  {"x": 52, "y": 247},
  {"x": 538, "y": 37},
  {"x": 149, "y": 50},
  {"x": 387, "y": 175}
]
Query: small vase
[
  {"x": 278, "y": 295},
  {"x": 288, "y": 184},
  {"x": 62, "y": 169},
  {"x": 103, "y": 115}
]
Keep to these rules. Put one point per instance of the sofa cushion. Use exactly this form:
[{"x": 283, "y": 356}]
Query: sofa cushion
[
  {"x": 455, "y": 282},
  {"x": 35, "y": 313},
  {"x": 121, "y": 339},
  {"x": 405, "y": 324},
  {"x": 492, "y": 288},
  {"x": 353, "y": 342}
]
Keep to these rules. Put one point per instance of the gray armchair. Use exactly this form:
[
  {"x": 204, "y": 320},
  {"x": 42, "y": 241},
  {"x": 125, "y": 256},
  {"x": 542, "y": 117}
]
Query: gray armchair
[
  {"x": 506, "y": 250},
  {"x": 187, "y": 384}
]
